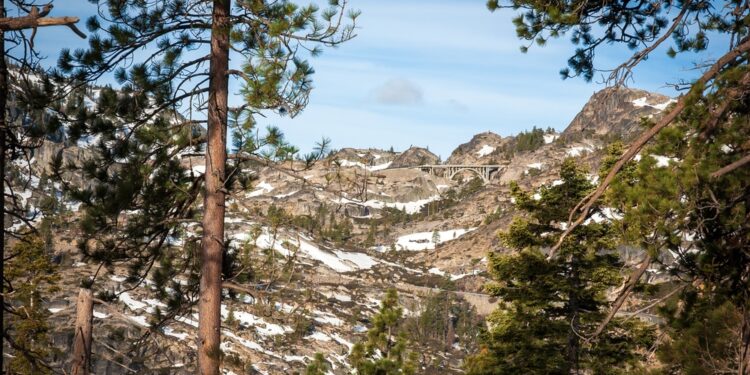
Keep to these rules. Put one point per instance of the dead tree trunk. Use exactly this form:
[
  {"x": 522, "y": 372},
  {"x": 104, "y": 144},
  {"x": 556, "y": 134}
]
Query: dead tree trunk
[
  {"x": 82, "y": 342},
  {"x": 212, "y": 246}
]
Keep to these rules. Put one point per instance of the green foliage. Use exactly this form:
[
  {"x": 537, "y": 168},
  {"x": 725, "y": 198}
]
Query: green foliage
[
  {"x": 385, "y": 351},
  {"x": 695, "y": 224},
  {"x": 529, "y": 140},
  {"x": 445, "y": 321},
  {"x": 492, "y": 217},
  {"x": 703, "y": 337},
  {"x": 318, "y": 366},
  {"x": 139, "y": 201},
  {"x": 302, "y": 326},
  {"x": 435, "y": 237},
  {"x": 231, "y": 320},
  {"x": 30, "y": 276},
  {"x": 631, "y": 25},
  {"x": 548, "y": 305}
]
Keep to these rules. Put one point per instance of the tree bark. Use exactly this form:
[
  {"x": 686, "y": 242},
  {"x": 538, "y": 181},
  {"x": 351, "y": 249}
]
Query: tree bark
[
  {"x": 28, "y": 22},
  {"x": 82, "y": 343},
  {"x": 212, "y": 246},
  {"x": 3, "y": 147}
]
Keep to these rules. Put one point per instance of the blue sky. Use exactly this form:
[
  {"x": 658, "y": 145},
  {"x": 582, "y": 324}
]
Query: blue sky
[{"x": 432, "y": 74}]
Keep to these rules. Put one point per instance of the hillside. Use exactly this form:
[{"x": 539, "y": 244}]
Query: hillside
[{"x": 351, "y": 226}]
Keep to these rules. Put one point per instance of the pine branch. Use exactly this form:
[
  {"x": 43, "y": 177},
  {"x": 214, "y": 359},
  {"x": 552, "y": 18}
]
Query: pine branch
[
  {"x": 731, "y": 167},
  {"x": 587, "y": 202},
  {"x": 620, "y": 300},
  {"x": 37, "y": 18}
]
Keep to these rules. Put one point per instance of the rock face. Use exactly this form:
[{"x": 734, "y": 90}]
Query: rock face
[
  {"x": 483, "y": 148},
  {"x": 617, "y": 112},
  {"x": 413, "y": 157}
]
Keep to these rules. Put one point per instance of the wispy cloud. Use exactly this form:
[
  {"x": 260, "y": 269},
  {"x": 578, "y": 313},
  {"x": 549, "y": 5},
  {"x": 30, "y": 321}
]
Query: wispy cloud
[{"x": 398, "y": 91}]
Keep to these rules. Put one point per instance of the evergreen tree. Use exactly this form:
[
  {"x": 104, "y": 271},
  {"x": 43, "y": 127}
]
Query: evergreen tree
[
  {"x": 703, "y": 336},
  {"x": 549, "y": 306},
  {"x": 23, "y": 127},
  {"x": 190, "y": 44},
  {"x": 30, "y": 275},
  {"x": 385, "y": 351},
  {"x": 446, "y": 323},
  {"x": 435, "y": 237},
  {"x": 318, "y": 366},
  {"x": 690, "y": 214},
  {"x": 695, "y": 209}
]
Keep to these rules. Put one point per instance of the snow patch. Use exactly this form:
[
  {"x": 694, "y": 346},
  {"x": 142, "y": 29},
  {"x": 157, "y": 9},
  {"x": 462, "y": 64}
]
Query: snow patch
[
  {"x": 643, "y": 102},
  {"x": 286, "y": 195},
  {"x": 424, "y": 240},
  {"x": 410, "y": 207},
  {"x": 319, "y": 336},
  {"x": 261, "y": 326},
  {"x": 485, "y": 150},
  {"x": 339, "y": 261},
  {"x": 663, "y": 161},
  {"x": 378, "y": 167},
  {"x": 260, "y": 189},
  {"x": 578, "y": 150},
  {"x": 199, "y": 169}
]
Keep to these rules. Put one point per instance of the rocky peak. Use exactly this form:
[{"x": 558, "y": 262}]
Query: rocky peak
[
  {"x": 617, "y": 112},
  {"x": 479, "y": 150},
  {"x": 414, "y": 156}
]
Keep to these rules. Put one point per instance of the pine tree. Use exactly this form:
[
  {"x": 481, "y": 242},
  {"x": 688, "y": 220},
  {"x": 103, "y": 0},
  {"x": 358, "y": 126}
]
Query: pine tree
[
  {"x": 22, "y": 130},
  {"x": 30, "y": 276},
  {"x": 549, "y": 306},
  {"x": 435, "y": 237},
  {"x": 140, "y": 131},
  {"x": 318, "y": 366},
  {"x": 703, "y": 194},
  {"x": 690, "y": 215},
  {"x": 385, "y": 351}
]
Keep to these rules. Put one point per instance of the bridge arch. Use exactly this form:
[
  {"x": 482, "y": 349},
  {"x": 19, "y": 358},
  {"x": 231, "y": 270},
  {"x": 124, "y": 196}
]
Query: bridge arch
[
  {"x": 481, "y": 175},
  {"x": 484, "y": 172}
]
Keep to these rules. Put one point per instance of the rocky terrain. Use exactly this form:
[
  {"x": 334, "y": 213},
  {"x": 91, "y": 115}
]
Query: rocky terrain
[{"x": 419, "y": 233}]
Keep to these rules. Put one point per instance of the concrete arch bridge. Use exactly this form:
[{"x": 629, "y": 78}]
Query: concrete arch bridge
[{"x": 450, "y": 170}]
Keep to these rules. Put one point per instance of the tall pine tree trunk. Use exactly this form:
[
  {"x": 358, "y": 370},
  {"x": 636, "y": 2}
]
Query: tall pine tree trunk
[
  {"x": 81, "y": 359},
  {"x": 209, "y": 306},
  {"x": 3, "y": 146}
]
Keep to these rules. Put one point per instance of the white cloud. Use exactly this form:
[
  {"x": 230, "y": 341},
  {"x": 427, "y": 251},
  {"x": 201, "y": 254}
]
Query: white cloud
[{"x": 398, "y": 92}]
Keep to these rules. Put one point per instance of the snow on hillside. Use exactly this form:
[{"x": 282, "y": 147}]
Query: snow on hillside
[
  {"x": 262, "y": 188},
  {"x": 485, "y": 150},
  {"x": 424, "y": 240},
  {"x": 578, "y": 150},
  {"x": 378, "y": 167},
  {"x": 410, "y": 207},
  {"x": 549, "y": 138},
  {"x": 262, "y": 327},
  {"x": 337, "y": 260},
  {"x": 439, "y": 272},
  {"x": 643, "y": 102}
]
